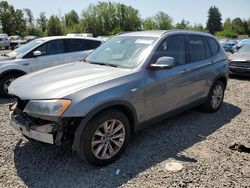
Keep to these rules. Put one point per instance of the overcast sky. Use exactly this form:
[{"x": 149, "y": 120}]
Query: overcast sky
[{"x": 194, "y": 11}]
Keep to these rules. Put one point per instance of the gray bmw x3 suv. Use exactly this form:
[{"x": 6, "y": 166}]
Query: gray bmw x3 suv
[{"x": 128, "y": 81}]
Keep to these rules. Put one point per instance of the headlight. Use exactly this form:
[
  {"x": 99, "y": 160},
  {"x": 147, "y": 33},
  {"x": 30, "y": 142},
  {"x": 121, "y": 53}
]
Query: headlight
[{"x": 54, "y": 107}]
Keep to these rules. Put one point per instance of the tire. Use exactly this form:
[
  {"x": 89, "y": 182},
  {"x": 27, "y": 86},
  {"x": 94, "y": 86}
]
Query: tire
[
  {"x": 210, "y": 105},
  {"x": 5, "y": 81},
  {"x": 88, "y": 147},
  {"x": 7, "y": 47}
]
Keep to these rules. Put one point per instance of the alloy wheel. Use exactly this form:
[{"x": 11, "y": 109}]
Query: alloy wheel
[
  {"x": 108, "y": 139},
  {"x": 217, "y": 96}
]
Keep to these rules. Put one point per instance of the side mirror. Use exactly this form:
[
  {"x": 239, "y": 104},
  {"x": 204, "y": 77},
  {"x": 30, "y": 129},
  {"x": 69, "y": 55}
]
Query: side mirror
[
  {"x": 37, "y": 53},
  {"x": 164, "y": 63}
]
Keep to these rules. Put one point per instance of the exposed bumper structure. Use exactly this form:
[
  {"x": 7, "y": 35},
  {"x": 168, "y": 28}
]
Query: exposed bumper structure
[{"x": 27, "y": 127}]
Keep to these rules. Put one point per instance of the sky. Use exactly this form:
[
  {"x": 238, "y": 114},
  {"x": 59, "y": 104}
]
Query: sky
[{"x": 195, "y": 11}]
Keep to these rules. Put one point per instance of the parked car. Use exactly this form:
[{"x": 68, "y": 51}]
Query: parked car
[
  {"x": 80, "y": 35},
  {"x": 240, "y": 62},
  {"x": 240, "y": 44},
  {"x": 4, "y": 35},
  {"x": 42, "y": 53},
  {"x": 128, "y": 81},
  {"x": 30, "y": 38},
  {"x": 4, "y": 43},
  {"x": 228, "y": 47}
]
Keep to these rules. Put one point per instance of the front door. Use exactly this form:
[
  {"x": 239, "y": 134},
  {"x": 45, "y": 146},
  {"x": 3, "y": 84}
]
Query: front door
[{"x": 169, "y": 89}]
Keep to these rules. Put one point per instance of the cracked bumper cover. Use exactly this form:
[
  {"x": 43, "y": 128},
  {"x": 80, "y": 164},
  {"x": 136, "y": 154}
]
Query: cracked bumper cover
[{"x": 27, "y": 127}]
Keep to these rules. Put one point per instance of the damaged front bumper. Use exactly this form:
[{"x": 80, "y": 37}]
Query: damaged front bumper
[{"x": 24, "y": 124}]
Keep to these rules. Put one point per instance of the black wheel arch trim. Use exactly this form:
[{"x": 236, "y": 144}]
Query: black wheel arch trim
[
  {"x": 98, "y": 109},
  {"x": 12, "y": 71},
  {"x": 219, "y": 77}
]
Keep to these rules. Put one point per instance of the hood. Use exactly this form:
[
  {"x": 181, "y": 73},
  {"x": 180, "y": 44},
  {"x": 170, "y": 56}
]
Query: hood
[
  {"x": 240, "y": 57},
  {"x": 60, "y": 81},
  {"x": 5, "y": 59}
]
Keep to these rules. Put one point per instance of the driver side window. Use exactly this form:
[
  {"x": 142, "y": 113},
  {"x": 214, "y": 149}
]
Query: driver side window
[
  {"x": 43, "y": 49},
  {"x": 173, "y": 46}
]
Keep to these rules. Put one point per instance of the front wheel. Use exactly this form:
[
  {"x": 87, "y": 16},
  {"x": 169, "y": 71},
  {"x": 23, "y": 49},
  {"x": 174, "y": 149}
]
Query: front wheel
[
  {"x": 215, "y": 98},
  {"x": 5, "y": 82},
  {"x": 105, "y": 138}
]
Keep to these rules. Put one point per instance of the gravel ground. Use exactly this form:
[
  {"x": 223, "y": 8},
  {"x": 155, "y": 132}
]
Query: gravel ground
[
  {"x": 199, "y": 141},
  {"x": 4, "y": 51}
]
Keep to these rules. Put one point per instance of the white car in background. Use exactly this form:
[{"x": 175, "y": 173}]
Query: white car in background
[
  {"x": 43, "y": 53},
  {"x": 4, "y": 42}
]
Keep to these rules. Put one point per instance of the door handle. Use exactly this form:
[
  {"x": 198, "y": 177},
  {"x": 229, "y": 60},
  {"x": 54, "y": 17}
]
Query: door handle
[{"x": 26, "y": 64}]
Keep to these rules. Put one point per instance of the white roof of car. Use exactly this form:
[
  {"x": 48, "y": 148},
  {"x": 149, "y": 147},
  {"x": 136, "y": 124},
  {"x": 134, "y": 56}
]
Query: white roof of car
[{"x": 68, "y": 37}]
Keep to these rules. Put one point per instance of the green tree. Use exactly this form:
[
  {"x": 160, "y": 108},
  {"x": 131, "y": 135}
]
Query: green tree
[
  {"x": 248, "y": 26},
  {"x": 71, "y": 22},
  {"x": 71, "y": 18},
  {"x": 109, "y": 18},
  {"x": 227, "y": 31},
  {"x": 54, "y": 26},
  {"x": 149, "y": 24},
  {"x": 237, "y": 26},
  {"x": 30, "y": 26},
  {"x": 245, "y": 27},
  {"x": 19, "y": 23},
  {"x": 163, "y": 21},
  {"x": 28, "y": 16},
  {"x": 160, "y": 21},
  {"x": 42, "y": 22},
  {"x": 183, "y": 24},
  {"x": 12, "y": 21},
  {"x": 198, "y": 27},
  {"x": 214, "y": 23}
]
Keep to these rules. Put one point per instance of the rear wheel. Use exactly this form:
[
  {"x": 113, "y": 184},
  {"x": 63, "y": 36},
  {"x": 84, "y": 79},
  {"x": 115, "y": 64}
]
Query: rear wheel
[
  {"x": 215, "y": 98},
  {"x": 105, "y": 138},
  {"x": 5, "y": 82}
]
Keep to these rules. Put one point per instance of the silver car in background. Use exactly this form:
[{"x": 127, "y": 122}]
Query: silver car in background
[
  {"x": 4, "y": 42},
  {"x": 129, "y": 81},
  {"x": 240, "y": 62}
]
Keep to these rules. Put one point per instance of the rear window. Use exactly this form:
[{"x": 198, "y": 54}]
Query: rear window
[
  {"x": 197, "y": 50},
  {"x": 214, "y": 47},
  {"x": 74, "y": 45}
]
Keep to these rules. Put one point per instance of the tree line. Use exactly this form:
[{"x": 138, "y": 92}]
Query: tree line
[{"x": 108, "y": 18}]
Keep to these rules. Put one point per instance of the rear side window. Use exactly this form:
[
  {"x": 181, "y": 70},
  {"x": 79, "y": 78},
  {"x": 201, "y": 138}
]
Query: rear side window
[
  {"x": 55, "y": 47},
  {"x": 197, "y": 50},
  {"x": 75, "y": 45},
  {"x": 91, "y": 44},
  {"x": 214, "y": 47}
]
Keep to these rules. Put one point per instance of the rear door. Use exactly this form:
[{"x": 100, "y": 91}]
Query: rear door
[
  {"x": 199, "y": 61},
  {"x": 78, "y": 49}
]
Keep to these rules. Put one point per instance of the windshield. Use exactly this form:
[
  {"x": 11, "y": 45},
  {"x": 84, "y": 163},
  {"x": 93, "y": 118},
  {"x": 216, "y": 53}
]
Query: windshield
[
  {"x": 245, "y": 41},
  {"x": 245, "y": 49},
  {"x": 123, "y": 51},
  {"x": 24, "y": 48}
]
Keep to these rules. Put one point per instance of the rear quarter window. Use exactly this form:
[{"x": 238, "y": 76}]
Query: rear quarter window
[
  {"x": 75, "y": 45},
  {"x": 213, "y": 45}
]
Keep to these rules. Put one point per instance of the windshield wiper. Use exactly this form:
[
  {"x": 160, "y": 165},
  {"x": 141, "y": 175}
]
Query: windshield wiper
[{"x": 101, "y": 63}]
